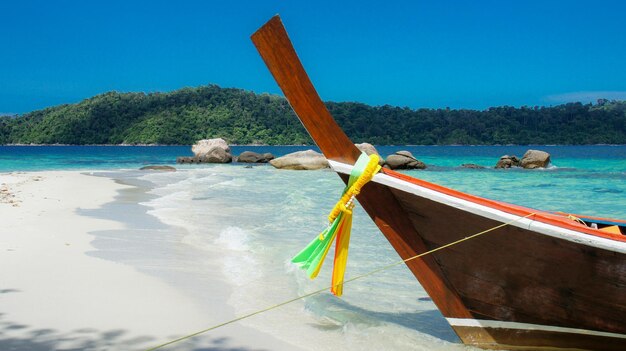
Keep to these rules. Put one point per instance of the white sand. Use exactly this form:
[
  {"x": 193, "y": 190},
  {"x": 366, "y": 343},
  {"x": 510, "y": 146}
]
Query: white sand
[{"x": 54, "y": 296}]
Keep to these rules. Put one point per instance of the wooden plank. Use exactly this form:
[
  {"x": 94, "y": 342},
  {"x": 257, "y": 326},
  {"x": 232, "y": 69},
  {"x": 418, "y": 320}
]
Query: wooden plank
[{"x": 276, "y": 49}]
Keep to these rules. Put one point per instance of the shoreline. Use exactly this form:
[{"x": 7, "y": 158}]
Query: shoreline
[
  {"x": 308, "y": 145},
  {"x": 60, "y": 291},
  {"x": 161, "y": 250}
]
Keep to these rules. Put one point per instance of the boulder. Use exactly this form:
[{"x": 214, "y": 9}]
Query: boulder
[
  {"x": 404, "y": 160},
  {"x": 507, "y": 161},
  {"x": 216, "y": 155},
  {"x": 472, "y": 166},
  {"x": 158, "y": 168},
  {"x": 301, "y": 160},
  {"x": 202, "y": 147},
  {"x": 535, "y": 159},
  {"x": 369, "y": 149},
  {"x": 211, "y": 151},
  {"x": 254, "y": 157}
]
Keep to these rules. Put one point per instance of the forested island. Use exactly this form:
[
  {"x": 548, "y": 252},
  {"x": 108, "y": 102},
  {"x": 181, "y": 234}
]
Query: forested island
[{"x": 243, "y": 117}]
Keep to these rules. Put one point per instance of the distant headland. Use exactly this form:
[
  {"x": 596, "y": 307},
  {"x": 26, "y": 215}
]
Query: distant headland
[{"x": 242, "y": 117}]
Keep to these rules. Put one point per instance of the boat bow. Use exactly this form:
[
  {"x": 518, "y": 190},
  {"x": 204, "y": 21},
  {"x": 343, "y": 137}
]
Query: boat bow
[{"x": 544, "y": 282}]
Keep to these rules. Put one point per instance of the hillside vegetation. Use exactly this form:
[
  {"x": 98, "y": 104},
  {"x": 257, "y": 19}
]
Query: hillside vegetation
[{"x": 242, "y": 117}]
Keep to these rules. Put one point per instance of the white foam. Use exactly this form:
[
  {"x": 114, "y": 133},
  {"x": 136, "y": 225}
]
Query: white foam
[{"x": 233, "y": 238}]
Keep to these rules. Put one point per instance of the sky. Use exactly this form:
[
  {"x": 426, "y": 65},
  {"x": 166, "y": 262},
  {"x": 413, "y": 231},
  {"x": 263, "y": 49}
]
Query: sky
[{"x": 434, "y": 54}]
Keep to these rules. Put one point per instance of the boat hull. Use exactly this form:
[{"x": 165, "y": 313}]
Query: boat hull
[{"x": 522, "y": 289}]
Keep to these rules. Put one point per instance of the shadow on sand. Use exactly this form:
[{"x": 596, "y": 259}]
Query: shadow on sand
[{"x": 19, "y": 337}]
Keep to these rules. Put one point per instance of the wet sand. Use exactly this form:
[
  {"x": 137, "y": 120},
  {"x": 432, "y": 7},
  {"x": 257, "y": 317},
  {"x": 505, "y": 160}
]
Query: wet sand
[{"x": 59, "y": 291}]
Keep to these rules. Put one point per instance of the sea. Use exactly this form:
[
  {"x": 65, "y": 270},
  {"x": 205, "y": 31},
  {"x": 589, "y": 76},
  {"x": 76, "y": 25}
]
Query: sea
[{"x": 246, "y": 222}]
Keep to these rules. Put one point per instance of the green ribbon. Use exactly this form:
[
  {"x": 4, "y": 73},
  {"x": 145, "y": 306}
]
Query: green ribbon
[{"x": 312, "y": 256}]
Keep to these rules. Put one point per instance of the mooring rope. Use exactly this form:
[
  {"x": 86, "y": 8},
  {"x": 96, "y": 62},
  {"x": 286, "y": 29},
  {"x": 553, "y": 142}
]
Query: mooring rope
[{"x": 378, "y": 270}]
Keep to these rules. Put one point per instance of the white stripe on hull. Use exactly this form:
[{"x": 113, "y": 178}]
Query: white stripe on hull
[
  {"x": 481, "y": 323},
  {"x": 491, "y": 213}
]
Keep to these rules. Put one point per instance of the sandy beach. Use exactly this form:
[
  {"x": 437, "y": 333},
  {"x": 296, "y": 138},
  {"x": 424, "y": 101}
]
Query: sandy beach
[{"x": 55, "y": 295}]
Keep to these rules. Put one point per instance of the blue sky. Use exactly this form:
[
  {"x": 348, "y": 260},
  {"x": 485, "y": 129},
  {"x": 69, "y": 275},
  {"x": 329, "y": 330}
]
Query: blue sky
[{"x": 458, "y": 54}]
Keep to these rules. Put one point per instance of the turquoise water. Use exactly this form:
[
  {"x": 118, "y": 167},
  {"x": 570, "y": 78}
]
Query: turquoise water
[
  {"x": 35, "y": 158},
  {"x": 583, "y": 179},
  {"x": 40, "y": 158},
  {"x": 257, "y": 218}
]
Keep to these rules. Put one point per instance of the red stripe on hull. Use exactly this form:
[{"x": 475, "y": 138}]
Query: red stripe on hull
[{"x": 542, "y": 216}]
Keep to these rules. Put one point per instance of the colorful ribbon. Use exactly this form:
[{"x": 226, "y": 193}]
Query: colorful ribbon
[{"x": 311, "y": 258}]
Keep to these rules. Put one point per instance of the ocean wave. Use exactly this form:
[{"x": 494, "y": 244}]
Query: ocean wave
[
  {"x": 607, "y": 190},
  {"x": 233, "y": 238}
]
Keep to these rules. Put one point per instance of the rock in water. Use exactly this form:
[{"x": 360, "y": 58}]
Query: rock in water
[
  {"x": 301, "y": 160},
  {"x": 202, "y": 147},
  {"x": 216, "y": 155},
  {"x": 369, "y": 149},
  {"x": 209, "y": 151},
  {"x": 254, "y": 157},
  {"x": 472, "y": 166},
  {"x": 507, "y": 161},
  {"x": 404, "y": 160},
  {"x": 187, "y": 159},
  {"x": 158, "y": 168},
  {"x": 535, "y": 159}
]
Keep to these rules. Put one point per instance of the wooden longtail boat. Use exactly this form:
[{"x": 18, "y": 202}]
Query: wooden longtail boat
[{"x": 545, "y": 281}]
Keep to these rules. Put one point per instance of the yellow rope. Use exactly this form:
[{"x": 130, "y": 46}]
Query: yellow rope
[
  {"x": 345, "y": 282},
  {"x": 348, "y": 197},
  {"x": 576, "y": 219}
]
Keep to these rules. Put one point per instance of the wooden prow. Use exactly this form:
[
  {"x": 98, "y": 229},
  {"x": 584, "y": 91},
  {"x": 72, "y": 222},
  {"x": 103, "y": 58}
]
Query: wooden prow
[{"x": 276, "y": 49}]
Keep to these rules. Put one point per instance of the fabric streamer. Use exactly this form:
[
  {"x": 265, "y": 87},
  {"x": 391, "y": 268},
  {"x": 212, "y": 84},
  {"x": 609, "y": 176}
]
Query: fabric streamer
[{"x": 311, "y": 258}]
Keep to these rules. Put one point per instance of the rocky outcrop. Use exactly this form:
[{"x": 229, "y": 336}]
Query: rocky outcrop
[
  {"x": 254, "y": 157},
  {"x": 158, "y": 168},
  {"x": 204, "y": 146},
  {"x": 216, "y": 156},
  {"x": 535, "y": 159},
  {"x": 404, "y": 160},
  {"x": 531, "y": 159},
  {"x": 472, "y": 166},
  {"x": 187, "y": 159},
  {"x": 209, "y": 151},
  {"x": 301, "y": 160},
  {"x": 507, "y": 161},
  {"x": 369, "y": 149}
]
